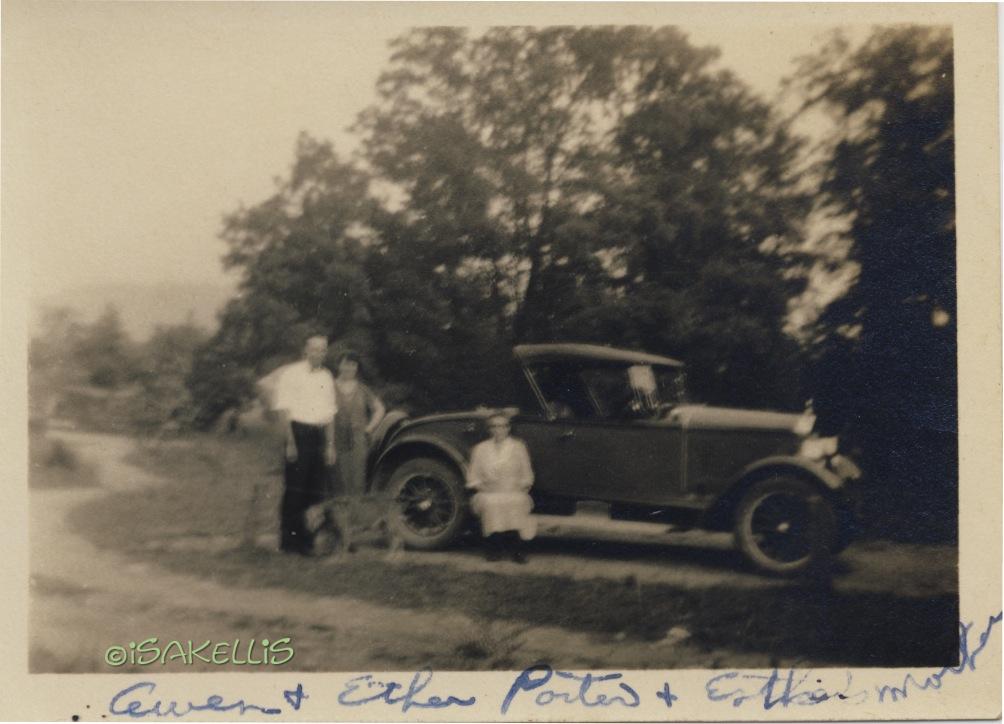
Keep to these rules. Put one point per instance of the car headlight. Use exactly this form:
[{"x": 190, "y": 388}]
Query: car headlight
[
  {"x": 804, "y": 424},
  {"x": 845, "y": 467},
  {"x": 818, "y": 448}
]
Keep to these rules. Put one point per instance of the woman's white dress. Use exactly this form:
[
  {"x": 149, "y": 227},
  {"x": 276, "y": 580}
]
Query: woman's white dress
[{"x": 501, "y": 475}]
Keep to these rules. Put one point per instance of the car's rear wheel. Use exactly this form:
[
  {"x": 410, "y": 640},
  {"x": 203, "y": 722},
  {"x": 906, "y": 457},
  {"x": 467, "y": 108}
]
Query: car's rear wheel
[
  {"x": 785, "y": 525},
  {"x": 430, "y": 505}
]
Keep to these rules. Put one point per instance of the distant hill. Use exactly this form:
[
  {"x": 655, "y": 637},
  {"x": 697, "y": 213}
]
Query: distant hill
[{"x": 142, "y": 307}]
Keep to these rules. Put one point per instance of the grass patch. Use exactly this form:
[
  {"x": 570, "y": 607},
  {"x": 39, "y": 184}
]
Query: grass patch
[
  {"x": 218, "y": 486},
  {"x": 493, "y": 645}
]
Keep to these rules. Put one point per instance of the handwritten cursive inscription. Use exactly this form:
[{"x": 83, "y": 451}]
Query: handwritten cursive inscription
[
  {"x": 798, "y": 688},
  {"x": 141, "y": 707},
  {"x": 366, "y": 689},
  {"x": 579, "y": 692}
]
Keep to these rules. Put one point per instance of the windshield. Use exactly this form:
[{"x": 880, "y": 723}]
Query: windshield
[{"x": 609, "y": 391}]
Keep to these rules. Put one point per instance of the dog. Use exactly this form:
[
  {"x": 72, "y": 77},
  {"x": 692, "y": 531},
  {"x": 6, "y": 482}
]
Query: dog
[{"x": 326, "y": 521}]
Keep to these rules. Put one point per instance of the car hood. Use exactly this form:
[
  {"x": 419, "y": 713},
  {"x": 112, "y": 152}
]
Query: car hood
[{"x": 701, "y": 417}]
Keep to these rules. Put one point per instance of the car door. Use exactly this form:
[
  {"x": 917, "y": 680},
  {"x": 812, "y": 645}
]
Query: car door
[
  {"x": 613, "y": 461},
  {"x": 557, "y": 433},
  {"x": 638, "y": 454},
  {"x": 563, "y": 453},
  {"x": 584, "y": 447},
  {"x": 634, "y": 461}
]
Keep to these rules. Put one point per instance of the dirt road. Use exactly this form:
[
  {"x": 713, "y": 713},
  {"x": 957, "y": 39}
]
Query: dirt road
[{"x": 85, "y": 598}]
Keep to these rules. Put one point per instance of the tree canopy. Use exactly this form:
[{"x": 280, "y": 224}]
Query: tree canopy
[
  {"x": 885, "y": 372},
  {"x": 615, "y": 185},
  {"x": 529, "y": 184}
]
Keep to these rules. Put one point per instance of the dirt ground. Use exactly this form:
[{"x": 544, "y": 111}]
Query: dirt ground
[{"x": 595, "y": 594}]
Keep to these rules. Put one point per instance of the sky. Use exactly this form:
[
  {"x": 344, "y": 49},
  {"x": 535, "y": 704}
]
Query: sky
[{"x": 130, "y": 129}]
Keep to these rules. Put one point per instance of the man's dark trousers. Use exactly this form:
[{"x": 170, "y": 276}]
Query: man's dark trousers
[{"x": 306, "y": 485}]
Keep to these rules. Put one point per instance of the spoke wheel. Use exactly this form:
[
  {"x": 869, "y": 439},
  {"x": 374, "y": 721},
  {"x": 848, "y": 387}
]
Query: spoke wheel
[
  {"x": 781, "y": 525},
  {"x": 430, "y": 503},
  {"x": 426, "y": 504},
  {"x": 785, "y": 525}
]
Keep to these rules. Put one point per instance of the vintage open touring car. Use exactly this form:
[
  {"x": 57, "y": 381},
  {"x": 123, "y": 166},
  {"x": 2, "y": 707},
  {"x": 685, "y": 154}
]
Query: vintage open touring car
[{"x": 614, "y": 426}]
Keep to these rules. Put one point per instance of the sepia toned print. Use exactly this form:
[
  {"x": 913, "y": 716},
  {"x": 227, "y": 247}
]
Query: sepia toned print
[{"x": 532, "y": 364}]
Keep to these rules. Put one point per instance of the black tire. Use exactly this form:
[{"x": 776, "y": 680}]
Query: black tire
[
  {"x": 430, "y": 505},
  {"x": 785, "y": 526}
]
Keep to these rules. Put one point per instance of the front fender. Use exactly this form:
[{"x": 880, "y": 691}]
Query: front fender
[
  {"x": 720, "y": 515},
  {"x": 827, "y": 477},
  {"x": 418, "y": 442}
]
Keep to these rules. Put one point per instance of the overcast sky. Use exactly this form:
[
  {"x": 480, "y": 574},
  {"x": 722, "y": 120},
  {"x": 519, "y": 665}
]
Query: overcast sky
[{"x": 138, "y": 125}]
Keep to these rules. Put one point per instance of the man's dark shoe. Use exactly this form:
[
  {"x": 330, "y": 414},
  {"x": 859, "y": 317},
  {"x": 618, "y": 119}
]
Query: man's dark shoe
[{"x": 519, "y": 557}]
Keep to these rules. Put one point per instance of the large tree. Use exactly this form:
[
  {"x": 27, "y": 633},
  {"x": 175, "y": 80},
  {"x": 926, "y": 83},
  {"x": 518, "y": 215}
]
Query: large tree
[
  {"x": 886, "y": 372},
  {"x": 598, "y": 183},
  {"x": 321, "y": 256},
  {"x": 527, "y": 184},
  {"x": 300, "y": 256},
  {"x": 703, "y": 218},
  {"x": 490, "y": 140}
]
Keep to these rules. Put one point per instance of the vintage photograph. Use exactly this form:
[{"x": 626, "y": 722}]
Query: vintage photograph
[{"x": 364, "y": 344}]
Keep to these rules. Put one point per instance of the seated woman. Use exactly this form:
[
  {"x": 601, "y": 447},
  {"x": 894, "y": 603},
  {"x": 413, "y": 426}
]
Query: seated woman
[{"x": 501, "y": 475}]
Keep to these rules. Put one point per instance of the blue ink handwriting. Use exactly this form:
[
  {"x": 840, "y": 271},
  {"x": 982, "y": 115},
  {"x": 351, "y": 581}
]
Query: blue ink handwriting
[
  {"x": 366, "y": 690},
  {"x": 777, "y": 689},
  {"x": 537, "y": 676},
  {"x": 666, "y": 695},
  {"x": 295, "y": 698},
  {"x": 160, "y": 708}
]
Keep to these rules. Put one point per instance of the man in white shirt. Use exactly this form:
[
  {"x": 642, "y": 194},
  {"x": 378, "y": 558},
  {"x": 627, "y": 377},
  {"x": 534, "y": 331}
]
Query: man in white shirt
[{"x": 305, "y": 401}]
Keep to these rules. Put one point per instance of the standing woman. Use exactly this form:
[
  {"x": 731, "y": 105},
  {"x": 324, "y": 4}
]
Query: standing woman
[
  {"x": 359, "y": 412},
  {"x": 501, "y": 475}
]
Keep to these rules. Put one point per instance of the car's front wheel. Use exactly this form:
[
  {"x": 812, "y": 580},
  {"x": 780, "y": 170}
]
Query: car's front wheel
[
  {"x": 785, "y": 525},
  {"x": 430, "y": 504}
]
